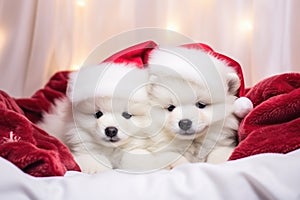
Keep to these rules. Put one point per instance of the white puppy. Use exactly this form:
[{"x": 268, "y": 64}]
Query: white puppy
[
  {"x": 192, "y": 94},
  {"x": 102, "y": 116}
]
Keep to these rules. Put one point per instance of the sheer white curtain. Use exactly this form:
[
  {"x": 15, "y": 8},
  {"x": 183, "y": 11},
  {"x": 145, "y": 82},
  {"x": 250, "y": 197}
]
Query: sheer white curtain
[{"x": 40, "y": 37}]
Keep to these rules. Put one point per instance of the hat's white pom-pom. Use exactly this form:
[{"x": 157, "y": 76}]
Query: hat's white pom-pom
[{"x": 242, "y": 106}]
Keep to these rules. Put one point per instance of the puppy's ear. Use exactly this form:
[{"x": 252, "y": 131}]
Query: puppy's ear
[
  {"x": 152, "y": 81},
  {"x": 233, "y": 83},
  {"x": 71, "y": 83}
]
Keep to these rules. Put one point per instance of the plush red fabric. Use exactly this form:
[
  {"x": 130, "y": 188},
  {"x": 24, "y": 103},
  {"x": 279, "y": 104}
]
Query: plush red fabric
[
  {"x": 24, "y": 144},
  {"x": 30, "y": 148},
  {"x": 137, "y": 54},
  {"x": 273, "y": 126},
  {"x": 42, "y": 100}
]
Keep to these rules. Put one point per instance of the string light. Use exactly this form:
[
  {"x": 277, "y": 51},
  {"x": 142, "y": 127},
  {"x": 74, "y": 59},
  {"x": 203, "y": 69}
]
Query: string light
[
  {"x": 81, "y": 3},
  {"x": 75, "y": 67},
  {"x": 245, "y": 25},
  {"x": 206, "y": 3},
  {"x": 172, "y": 26}
]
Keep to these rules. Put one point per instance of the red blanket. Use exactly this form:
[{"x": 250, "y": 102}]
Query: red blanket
[
  {"x": 23, "y": 143},
  {"x": 273, "y": 126}
]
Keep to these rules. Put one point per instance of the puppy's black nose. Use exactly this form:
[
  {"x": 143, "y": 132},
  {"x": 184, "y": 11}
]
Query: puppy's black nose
[
  {"x": 111, "y": 131},
  {"x": 185, "y": 124}
]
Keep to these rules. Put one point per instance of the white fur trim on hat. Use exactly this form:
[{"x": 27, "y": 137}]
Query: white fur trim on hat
[
  {"x": 242, "y": 106},
  {"x": 108, "y": 80},
  {"x": 192, "y": 65},
  {"x": 186, "y": 62}
]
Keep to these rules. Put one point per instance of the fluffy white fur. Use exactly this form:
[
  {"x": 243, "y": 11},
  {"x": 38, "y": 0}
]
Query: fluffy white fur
[
  {"x": 112, "y": 90},
  {"x": 151, "y": 138},
  {"x": 108, "y": 80},
  {"x": 242, "y": 106},
  {"x": 182, "y": 77}
]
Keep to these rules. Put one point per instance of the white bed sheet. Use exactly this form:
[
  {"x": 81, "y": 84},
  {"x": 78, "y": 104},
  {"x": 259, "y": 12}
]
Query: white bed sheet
[{"x": 265, "y": 176}]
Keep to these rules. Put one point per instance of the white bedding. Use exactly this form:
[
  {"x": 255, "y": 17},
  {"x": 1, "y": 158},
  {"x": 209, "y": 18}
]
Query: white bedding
[{"x": 265, "y": 176}]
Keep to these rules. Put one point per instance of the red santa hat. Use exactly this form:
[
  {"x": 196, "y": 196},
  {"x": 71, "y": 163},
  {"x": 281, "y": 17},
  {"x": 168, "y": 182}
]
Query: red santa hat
[
  {"x": 115, "y": 77},
  {"x": 227, "y": 60},
  {"x": 190, "y": 61},
  {"x": 242, "y": 105},
  {"x": 177, "y": 59},
  {"x": 123, "y": 72}
]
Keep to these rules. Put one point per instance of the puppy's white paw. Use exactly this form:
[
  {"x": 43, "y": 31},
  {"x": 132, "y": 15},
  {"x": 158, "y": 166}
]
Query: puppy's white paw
[
  {"x": 220, "y": 155},
  {"x": 91, "y": 165}
]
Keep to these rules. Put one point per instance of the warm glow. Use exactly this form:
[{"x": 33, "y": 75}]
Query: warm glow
[
  {"x": 172, "y": 26},
  {"x": 81, "y": 3},
  {"x": 75, "y": 67},
  {"x": 206, "y": 3},
  {"x": 2, "y": 39},
  {"x": 245, "y": 25}
]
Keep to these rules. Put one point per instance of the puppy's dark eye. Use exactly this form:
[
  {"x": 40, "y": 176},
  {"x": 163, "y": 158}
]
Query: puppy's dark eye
[
  {"x": 98, "y": 114},
  {"x": 171, "y": 108},
  {"x": 126, "y": 115},
  {"x": 200, "y": 105}
]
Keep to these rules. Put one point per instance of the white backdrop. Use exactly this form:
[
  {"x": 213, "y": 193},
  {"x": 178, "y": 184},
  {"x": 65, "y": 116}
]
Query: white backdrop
[{"x": 39, "y": 37}]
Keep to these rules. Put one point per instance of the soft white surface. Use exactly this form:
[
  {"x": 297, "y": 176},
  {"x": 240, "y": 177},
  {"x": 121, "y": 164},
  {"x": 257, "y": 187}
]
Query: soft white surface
[{"x": 266, "y": 176}]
